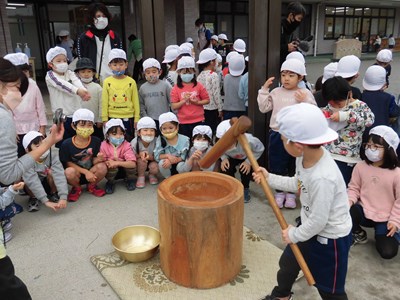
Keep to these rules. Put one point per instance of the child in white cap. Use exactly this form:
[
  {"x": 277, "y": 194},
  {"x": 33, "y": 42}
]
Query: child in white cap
[
  {"x": 143, "y": 145},
  {"x": 79, "y": 157},
  {"x": 223, "y": 48},
  {"x": 236, "y": 156},
  {"x": 383, "y": 59},
  {"x": 188, "y": 97},
  {"x": 45, "y": 182},
  {"x": 154, "y": 95},
  {"x": 329, "y": 72},
  {"x": 169, "y": 65},
  {"x": 214, "y": 43},
  {"x": 8, "y": 208},
  {"x": 120, "y": 98},
  {"x": 233, "y": 105},
  {"x": 244, "y": 85},
  {"x": 373, "y": 192},
  {"x": 349, "y": 117},
  {"x": 210, "y": 79},
  {"x": 65, "y": 89},
  {"x": 239, "y": 46},
  {"x": 381, "y": 103},
  {"x": 348, "y": 67},
  {"x": 288, "y": 94},
  {"x": 323, "y": 236},
  {"x": 118, "y": 155},
  {"x": 31, "y": 113},
  {"x": 86, "y": 71},
  {"x": 201, "y": 143},
  {"x": 171, "y": 148}
]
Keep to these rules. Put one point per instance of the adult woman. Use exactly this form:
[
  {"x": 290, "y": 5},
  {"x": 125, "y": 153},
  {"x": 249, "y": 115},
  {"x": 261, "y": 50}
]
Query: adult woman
[
  {"x": 13, "y": 83},
  {"x": 97, "y": 42}
]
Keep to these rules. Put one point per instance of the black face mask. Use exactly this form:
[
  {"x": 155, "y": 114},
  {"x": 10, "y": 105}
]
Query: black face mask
[{"x": 290, "y": 27}]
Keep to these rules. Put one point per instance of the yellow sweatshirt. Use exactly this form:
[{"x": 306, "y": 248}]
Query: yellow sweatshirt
[{"x": 120, "y": 99}]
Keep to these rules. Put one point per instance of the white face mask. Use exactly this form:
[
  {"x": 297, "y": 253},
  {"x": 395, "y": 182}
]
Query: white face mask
[
  {"x": 147, "y": 138},
  {"x": 200, "y": 145},
  {"x": 12, "y": 99},
  {"x": 44, "y": 155},
  {"x": 373, "y": 156},
  {"x": 87, "y": 80},
  {"x": 61, "y": 67},
  {"x": 101, "y": 23}
]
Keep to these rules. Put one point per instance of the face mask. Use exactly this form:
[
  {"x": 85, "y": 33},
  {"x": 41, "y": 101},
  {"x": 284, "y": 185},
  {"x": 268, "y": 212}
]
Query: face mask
[
  {"x": 101, "y": 23},
  {"x": 200, "y": 145},
  {"x": 87, "y": 80},
  {"x": 61, "y": 67},
  {"x": 116, "y": 141},
  {"x": 12, "y": 99},
  {"x": 147, "y": 138},
  {"x": 152, "y": 78},
  {"x": 118, "y": 73},
  {"x": 84, "y": 132},
  {"x": 187, "y": 77},
  {"x": 373, "y": 156},
  {"x": 170, "y": 135},
  {"x": 44, "y": 155}
]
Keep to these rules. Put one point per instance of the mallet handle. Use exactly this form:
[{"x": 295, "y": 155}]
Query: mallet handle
[{"x": 278, "y": 214}]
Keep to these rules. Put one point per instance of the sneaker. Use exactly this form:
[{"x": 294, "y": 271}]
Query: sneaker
[
  {"x": 359, "y": 237},
  {"x": 290, "y": 200},
  {"x": 7, "y": 225},
  {"x": 95, "y": 190},
  {"x": 130, "y": 185},
  {"x": 18, "y": 208},
  {"x": 268, "y": 297},
  {"x": 109, "y": 187},
  {"x": 280, "y": 198},
  {"x": 33, "y": 204},
  {"x": 140, "y": 182},
  {"x": 153, "y": 179},
  {"x": 247, "y": 196},
  {"x": 7, "y": 236},
  {"x": 74, "y": 194},
  {"x": 53, "y": 197}
]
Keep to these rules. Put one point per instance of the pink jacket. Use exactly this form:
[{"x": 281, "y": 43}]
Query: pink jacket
[
  {"x": 123, "y": 152},
  {"x": 377, "y": 190}
]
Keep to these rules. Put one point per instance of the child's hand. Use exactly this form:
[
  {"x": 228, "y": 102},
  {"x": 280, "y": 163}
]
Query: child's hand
[
  {"x": 245, "y": 168},
  {"x": 18, "y": 186},
  {"x": 261, "y": 172},
  {"x": 144, "y": 155},
  {"x": 62, "y": 203},
  {"x": 166, "y": 163},
  {"x": 300, "y": 95},
  {"x": 174, "y": 159},
  {"x": 90, "y": 177},
  {"x": 285, "y": 235},
  {"x": 112, "y": 164},
  {"x": 100, "y": 156},
  {"x": 268, "y": 83},
  {"x": 392, "y": 229},
  {"x": 197, "y": 154},
  {"x": 225, "y": 165},
  {"x": 52, "y": 205},
  {"x": 56, "y": 133},
  {"x": 84, "y": 94},
  {"x": 334, "y": 117}
]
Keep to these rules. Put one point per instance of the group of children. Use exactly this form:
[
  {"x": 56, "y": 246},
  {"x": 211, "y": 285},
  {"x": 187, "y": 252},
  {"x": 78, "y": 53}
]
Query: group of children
[{"x": 339, "y": 158}]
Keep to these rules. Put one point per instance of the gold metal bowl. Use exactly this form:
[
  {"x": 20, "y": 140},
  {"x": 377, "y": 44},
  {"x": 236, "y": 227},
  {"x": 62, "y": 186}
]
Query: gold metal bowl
[{"x": 136, "y": 243}]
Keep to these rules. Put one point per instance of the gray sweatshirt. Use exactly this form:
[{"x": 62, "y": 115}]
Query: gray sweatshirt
[
  {"x": 11, "y": 167},
  {"x": 7, "y": 196},
  {"x": 33, "y": 177},
  {"x": 232, "y": 101},
  {"x": 154, "y": 99}
]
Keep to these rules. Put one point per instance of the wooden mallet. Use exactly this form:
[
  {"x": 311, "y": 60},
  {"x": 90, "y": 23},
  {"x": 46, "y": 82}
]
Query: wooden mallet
[{"x": 236, "y": 133}]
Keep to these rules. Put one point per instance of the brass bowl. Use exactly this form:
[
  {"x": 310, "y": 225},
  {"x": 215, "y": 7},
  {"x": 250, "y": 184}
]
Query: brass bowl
[{"x": 136, "y": 243}]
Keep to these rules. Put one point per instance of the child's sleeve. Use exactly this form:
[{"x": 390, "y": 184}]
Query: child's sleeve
[
  {"x": 394, "y": 109},
  {"x": 241, "y": 92},
  {"x": 284, "y": 183},
  {"x": 75, "y": 80},
  {"x": 310, "y": 97},
  {"x": 175, "y": 95},
  {"x": 100, "y": 103},
  {"x": 203, "y": 92},
  {"x": 129, "y": 155},
  {"x": 360, "y": 116},
  {"x": 168, "y": 92},
  {"x": 60, "y": 84},
  {"x": 395, "y": 212},
  {"x": 33, "y": 182},
  {"x": 256, "y": 147},
  {"x": 354, "y": 188},
  {"x": 7, "y": 197},
  {"x": 143, "y": 112},
  {"x": 59, "y": 176},
  {"x": 104, "y": 102},
  {"x": 158, "y": 150},
  {"x": 264, "y": 100},
  {"x": 135, "y": 101},
  {"x": 40, "y": 108}
]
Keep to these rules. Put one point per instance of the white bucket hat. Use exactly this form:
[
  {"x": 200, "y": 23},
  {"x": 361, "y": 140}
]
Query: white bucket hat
[
  {"x": 214, "y": 37},
  {"x": 17, "y": 59},
  {"x": 374, "y": 78},
  {"x": 185, "y": 49},
  {"x": 296, "y": 55},
  {"x": 203, "y": 130},
  {"x": 207, "y": 55},
  {"x": 29, "y": 137},
  {"x": 167, "y": 117},
  {"x": 63, "y": 32},
  {"x": 171, "y": 47},
  {"x": 348, "y": 66},
  {"x": 385, "y": 56},
  {"x": 329, "y": 71},
  {"x": 116, "y": 53},
  {"x": 53, "y": 52},
  {"x": 170, "y": 55},
  {"x": 151, "y": 63},
  {"x": 112, "y": 123},
  {"x": 222, "y": 36},
  {"x": 388, "y": 134},
  {"x": 230, "y": 55},
  {"x": 239, "y": 45},
  {"x": 294, "y": 65},
  {"x": 189, "y": 40},
  {"x": 305, "y": 123},
  {"x": 219, "y": 58},
  {"x": 82, "y": 114},
  {"x": 222, "y": 128},
  {"x": 190, "y": 45},
  {"x": 185, "y": 62},
  {"x": 146, "y": 122},
  {"x": 236, "y": 65}
]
